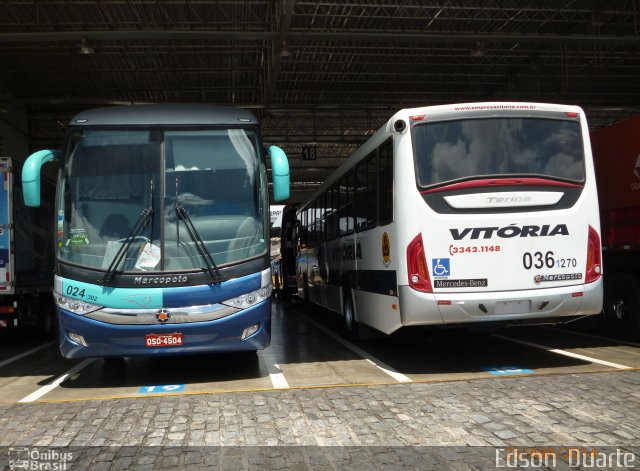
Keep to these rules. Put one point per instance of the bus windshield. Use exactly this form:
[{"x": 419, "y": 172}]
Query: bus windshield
[
  {"x": 138, "y": 184},
  {"x": 458, "y": 149}
]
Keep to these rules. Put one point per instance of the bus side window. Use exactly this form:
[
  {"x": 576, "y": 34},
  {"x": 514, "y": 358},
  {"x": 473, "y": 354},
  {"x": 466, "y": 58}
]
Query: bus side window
[
  {"x": 304, "y": 233},
  {"x": 366, "y": 183},
  {"x": 372, "y": 191},
  {"x": 331, "y": 210},
  {"x": 345, "y": 213},
  {"x": 385, "y": 183},
  {"x": 320, "y": 217},
  {"x": 360, "y": 188},
  {"x": 311, "y": 223}
]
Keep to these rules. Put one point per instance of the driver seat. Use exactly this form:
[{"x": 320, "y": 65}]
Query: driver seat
[{"x": 115, "y": 226}]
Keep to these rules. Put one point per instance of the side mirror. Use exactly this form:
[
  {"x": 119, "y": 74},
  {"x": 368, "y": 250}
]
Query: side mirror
[
  {"x": 31, "y": 175},
  {"x": 279, "y": 173}
]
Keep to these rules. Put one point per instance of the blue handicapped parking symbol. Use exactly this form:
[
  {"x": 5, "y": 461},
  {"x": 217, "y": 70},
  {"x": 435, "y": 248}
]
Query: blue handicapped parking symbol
[{"x": 440, "y": 267}]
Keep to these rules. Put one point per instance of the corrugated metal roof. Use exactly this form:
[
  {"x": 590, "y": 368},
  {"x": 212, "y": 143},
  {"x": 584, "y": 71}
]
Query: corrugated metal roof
[{"x": 323, "y": 74}]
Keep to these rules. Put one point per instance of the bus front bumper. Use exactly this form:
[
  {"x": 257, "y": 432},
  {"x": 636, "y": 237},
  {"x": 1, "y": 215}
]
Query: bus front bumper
[{"x": 117, "y": 340}]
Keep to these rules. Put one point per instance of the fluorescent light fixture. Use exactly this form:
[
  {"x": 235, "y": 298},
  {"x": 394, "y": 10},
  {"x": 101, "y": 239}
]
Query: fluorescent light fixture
[{"x": 85, "y": 48}]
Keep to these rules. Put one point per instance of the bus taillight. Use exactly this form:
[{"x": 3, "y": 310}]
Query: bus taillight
[
  {"x": 594, "y": 258},
  {"x": 417, "y": 266}
]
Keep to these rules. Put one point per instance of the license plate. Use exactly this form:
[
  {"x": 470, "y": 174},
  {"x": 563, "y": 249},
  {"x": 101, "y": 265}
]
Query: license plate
[
  {"x": 512, "y": 307},
  {"x": 164, "y": 340}
]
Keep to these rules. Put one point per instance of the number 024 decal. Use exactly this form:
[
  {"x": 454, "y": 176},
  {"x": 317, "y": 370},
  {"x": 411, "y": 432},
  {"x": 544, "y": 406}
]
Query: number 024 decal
[{"x": 77, "y": 292}]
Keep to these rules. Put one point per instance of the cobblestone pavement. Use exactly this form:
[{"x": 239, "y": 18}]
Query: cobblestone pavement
[{"x": 338, "y": 428}]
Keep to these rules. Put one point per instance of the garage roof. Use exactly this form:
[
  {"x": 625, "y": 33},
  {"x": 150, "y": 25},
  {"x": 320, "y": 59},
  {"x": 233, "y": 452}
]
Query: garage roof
[{"x": 322, "y": 74}]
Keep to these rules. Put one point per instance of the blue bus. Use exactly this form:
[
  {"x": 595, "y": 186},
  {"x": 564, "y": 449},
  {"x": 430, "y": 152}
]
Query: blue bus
[{"x": 162, "y": 232}]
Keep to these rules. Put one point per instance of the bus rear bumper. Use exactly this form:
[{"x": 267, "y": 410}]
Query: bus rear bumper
[
  {"x": 502, "y": 307},
  {"x": 113, "y": 340}
]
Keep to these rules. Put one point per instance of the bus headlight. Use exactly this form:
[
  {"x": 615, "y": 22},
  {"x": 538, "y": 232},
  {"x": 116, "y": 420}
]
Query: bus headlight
[
  {"x": 249, "y": 299},
  {"x": 75, "y": 305}
]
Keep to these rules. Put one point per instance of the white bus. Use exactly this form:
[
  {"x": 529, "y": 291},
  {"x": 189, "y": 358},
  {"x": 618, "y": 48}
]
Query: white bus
[{"x": 458, "y": 214}]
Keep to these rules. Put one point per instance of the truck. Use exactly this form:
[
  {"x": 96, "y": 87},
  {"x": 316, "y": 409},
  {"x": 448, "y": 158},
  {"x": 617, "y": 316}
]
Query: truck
[
  {"x": 26, "y": 255},
  {"x": 616, "y": 153}
]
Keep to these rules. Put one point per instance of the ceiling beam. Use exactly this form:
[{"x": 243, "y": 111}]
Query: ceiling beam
[
  {"x": 278, "y": 51},
  {"x": 333, "y": 37}
]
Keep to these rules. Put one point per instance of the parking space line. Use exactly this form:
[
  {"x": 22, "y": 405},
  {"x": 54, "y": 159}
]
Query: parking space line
[
  {"x": 277, "y": 377},
  {"x": 56, "y": 382},
  {"x": 358, "y": 351},
  {"x": 617, "y": 342},
  {"x": 565, "y": 353},
  {"x": 24, "y": 354}
]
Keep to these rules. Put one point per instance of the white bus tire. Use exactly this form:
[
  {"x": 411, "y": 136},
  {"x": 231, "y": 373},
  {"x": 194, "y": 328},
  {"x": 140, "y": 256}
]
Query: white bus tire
[{"x": 349, "y": 314}]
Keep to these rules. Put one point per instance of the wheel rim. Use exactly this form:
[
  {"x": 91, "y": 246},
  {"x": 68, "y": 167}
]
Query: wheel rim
[
  {"x": 620, "y": 316},
  {"x": 348, "y": 314},
  {"x": 620, "y": 309}
]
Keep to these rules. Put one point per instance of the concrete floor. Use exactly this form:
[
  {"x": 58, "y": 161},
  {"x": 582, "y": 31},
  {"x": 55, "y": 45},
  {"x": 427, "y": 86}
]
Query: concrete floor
[
  {"x": 314, "y": 400},
  {"x": 309, "y": 349}
]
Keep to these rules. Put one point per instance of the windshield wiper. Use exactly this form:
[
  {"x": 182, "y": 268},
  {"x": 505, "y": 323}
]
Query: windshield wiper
[
  {"x": 139, "y": 226},
  {"x": 211, "y": 266}
]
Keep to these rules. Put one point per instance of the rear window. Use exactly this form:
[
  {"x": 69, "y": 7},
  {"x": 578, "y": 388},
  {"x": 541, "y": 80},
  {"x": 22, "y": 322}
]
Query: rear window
[{"x": 459, "y": 149}]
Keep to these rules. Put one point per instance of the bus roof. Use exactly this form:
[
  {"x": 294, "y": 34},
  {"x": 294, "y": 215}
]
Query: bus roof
[{"x": 164, "y": 114}]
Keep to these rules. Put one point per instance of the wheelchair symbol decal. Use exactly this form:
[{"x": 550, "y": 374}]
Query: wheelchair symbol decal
[{"x": 440, "y": 267}]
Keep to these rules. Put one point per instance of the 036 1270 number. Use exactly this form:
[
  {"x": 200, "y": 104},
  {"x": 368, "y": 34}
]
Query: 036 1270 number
[
  {"x": 548, "y": 259},
  {"x": 538, "y": 260},
  {"x": 566, "y": 263}
]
